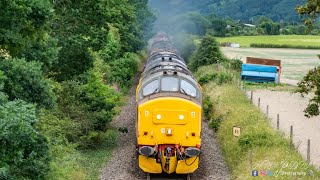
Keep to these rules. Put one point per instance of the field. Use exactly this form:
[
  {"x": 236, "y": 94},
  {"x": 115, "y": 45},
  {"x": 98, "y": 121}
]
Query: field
[
  {"x": 295, "y": 62},
  {"x": 245, "y": 41}
]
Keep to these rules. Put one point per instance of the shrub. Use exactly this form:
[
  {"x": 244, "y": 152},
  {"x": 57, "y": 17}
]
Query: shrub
[
  {"x": 215, "y": 122},
  {"x": 283, "y": 46},
  {"x": 123, "y": 70},
  {"x": 235, "y": 64},
  {"x": 218, "y": 77},
  {"x": 90, "y": 104},
  {"x": 208, "y": 53},
  {"x": 3, "y": 96},
  {"x": 258, "y": 139},
  {"x": 24, "y": 151},
  {"x": 24, "y": 80},
  {"x": 207, "y": 106}
]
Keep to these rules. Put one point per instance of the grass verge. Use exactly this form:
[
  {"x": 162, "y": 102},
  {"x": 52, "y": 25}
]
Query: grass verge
[
  {"x": 271, "y": 151},
  {"x": 270, "y": 86},
  {"x": 72, "y": 164}
]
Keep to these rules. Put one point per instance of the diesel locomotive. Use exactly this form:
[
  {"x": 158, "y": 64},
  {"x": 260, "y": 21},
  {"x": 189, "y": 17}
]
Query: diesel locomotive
[{"x": 169, "y": 112}]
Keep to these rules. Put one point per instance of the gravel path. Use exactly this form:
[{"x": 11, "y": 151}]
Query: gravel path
[
  {"x": 290, "y": 108},
  {"x": 124, "y": 165}
]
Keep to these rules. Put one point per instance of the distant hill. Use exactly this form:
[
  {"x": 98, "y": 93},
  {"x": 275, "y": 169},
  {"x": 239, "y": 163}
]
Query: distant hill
[{"x": 244, "y": 10}]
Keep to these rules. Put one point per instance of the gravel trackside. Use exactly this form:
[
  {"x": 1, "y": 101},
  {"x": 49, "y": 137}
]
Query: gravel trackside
[{"x": 123, "y": 164}]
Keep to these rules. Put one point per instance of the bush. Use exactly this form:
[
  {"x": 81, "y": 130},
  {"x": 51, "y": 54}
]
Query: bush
[
  {"x": 24, "y": 80},
  {"x": 216, "y": 121},
  {"x": 207, "y": 106},
  {"x": 90, "y": 104},
  {"x": 208, "y": 53},
  {"x": 3, "y": 96},
  {"x": 24, "y": 151},
  {"x": 258, "y": 139},
  {"x": 218, "y": 77},
  {"x": 283, "y": 46},
  {"x": 235, "y": 64},
  {"x": 123, "y": 70}
]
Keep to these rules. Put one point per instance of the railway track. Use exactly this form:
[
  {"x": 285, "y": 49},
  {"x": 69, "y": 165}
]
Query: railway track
[
  {"x": 123, "y": 163},
  {"x": 169, "y": 177}
]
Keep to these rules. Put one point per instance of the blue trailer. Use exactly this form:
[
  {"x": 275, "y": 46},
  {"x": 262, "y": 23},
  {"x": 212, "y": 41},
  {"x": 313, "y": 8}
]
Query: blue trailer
[{"x": 259, "y": 73}]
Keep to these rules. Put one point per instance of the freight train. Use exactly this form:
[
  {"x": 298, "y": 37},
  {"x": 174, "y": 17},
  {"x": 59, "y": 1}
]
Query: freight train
[{"x": 169, "y": 112}]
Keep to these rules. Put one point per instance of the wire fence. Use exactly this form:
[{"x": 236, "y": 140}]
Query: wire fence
[{"x": 308, "y": 146}]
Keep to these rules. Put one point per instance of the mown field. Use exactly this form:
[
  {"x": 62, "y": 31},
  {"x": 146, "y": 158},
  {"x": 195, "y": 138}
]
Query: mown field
[
  {"x": 295, "y": 62},
  {"x": 303, "y": 40}
]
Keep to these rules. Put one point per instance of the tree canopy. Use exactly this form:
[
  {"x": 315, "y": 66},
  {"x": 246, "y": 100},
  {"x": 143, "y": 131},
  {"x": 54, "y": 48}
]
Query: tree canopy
[
  {"x": 61, "y": 63},
  {"x": 311, "y": 81},
  {"x": 311, "y": 10}
]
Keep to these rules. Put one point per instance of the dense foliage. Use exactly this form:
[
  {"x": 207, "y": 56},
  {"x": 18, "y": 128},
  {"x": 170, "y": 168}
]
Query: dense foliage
[
  {"x": 310, "y": 82},
  {"x": 25, "y": 80},
  {"x": 24, "y": 27},
  {"x": 24, "y": 152},
  {"x": 61, "y": 63},
  {"x": 207, "y": 53},
  {"x": 311, "y": 9}
]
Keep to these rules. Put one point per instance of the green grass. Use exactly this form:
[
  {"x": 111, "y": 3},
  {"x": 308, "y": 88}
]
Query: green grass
[
  {"x": 72, "y": 164},
  {"x": 93, "y": 160},
  {"x": 269, "y": 86},
  {"x": 294, "y": 40},
  {"x": 271, "y": 151}
]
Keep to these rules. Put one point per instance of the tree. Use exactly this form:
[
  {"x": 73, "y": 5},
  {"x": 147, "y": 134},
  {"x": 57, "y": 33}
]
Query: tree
[
  {"x": 24, "y": 30},
  {"x": 311, "y": 82},
  {"x": 208, "y": 53},
  {"x": 145, "y": 18},
  {"x": 24, "y": 152},
  {"x": 24, "y": 80},
  {"x": 311, "y": 10},
  {"x": 115, "y": 26},
  {"x": 218, "y": 25}
]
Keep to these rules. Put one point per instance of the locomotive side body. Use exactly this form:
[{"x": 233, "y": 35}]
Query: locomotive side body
[{"x": 169, "y": 113}]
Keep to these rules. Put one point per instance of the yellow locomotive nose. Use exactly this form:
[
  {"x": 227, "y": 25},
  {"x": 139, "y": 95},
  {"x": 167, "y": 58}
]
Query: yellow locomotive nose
[{"x": 175, "y": 124}]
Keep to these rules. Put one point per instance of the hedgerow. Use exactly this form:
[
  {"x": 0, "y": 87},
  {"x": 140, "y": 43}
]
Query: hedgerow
[{"x": 257, "y": 45}]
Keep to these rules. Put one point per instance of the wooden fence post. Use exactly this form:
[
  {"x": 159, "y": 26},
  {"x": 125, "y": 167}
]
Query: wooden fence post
[
  {"x": 267, "y": 110},
  {"x": 251, "y": 97},
  {"x": 278, "y": 121},
  {"x": 259, "y": 102},
  {"x": 291, "y": 135},
  {"x": 308, "y": 152}
]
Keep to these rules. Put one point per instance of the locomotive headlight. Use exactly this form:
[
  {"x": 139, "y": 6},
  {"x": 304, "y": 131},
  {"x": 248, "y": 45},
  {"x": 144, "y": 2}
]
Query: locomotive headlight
[
  {"x": 158, "y": 116},
  {"x": 181, "y": 117},
  {"x": 169, "y": 131}
]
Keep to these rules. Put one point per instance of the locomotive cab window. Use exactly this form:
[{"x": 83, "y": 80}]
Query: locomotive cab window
[
  {"x": 169, "y": 84},
  {"x": 188, "y": 88},
  {"x": 151, "y": 88}
]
